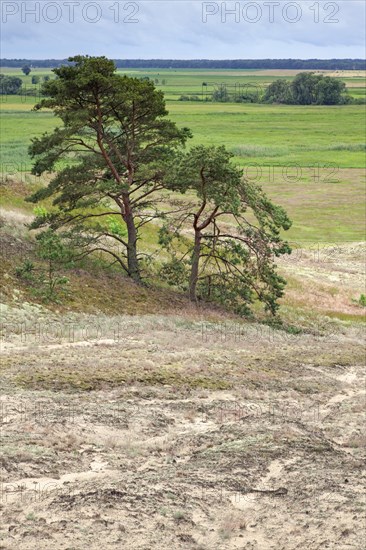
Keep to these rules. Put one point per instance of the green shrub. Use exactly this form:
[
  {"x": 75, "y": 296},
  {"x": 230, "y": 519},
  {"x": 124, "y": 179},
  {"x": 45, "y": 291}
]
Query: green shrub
[
  {"x": 25, "y": 271},
  {"x": 45, "y": 279},
  {"x": 361, "y": 301}
]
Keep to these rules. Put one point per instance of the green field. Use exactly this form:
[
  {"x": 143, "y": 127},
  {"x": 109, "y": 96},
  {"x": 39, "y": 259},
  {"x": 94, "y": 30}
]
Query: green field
[
  {"x": 177, "y": 82},
  {"x": 310, "y": 159},
  {"x": 329, "y": 137}
]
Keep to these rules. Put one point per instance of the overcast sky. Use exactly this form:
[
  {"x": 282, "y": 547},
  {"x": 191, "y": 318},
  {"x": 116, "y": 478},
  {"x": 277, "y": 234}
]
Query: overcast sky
[{"x": 183, "y": 29}]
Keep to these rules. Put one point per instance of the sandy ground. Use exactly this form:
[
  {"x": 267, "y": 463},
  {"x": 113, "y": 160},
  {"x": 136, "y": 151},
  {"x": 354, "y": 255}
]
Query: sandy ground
[{"x": 153, "y": 460}]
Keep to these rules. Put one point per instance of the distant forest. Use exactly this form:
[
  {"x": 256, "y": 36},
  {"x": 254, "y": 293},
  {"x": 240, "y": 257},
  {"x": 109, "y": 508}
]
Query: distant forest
[{"x": 300, "y": 64}]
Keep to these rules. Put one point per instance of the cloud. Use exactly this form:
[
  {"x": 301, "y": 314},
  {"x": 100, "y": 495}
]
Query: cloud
[{"x": 183, "y": 29}]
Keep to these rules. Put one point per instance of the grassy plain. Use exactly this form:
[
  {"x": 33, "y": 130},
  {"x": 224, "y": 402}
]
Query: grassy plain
[{"x": 310, "y": 159}]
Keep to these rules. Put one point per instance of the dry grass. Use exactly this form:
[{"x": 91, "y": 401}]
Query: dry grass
[
  {"x": 232, "y": 523},
  {"x": 357, "y": 442}
]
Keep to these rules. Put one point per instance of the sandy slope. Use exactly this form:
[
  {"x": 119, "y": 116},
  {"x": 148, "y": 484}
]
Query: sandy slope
[{"x": 165, "y": 463}]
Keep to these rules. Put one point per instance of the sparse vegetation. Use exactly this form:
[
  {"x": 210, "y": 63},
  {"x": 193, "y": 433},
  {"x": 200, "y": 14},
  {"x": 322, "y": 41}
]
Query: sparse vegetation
[
  {"x": 179, "y": 515},
  {"x": 361, "y": 301}
]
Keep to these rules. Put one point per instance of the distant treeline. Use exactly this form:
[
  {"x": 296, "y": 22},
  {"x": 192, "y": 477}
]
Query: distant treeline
[{"x": 296, "y": 64}]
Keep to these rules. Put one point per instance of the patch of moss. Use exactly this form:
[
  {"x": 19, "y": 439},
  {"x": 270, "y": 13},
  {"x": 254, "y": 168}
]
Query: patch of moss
[
  {"x": 356, "y": 318},
  {"x": 65, "y": 379}
]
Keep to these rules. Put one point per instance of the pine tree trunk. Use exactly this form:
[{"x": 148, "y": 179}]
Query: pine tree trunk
[
  {"x": 132, "y": 261},
  {"x": 195, "y": 266}
]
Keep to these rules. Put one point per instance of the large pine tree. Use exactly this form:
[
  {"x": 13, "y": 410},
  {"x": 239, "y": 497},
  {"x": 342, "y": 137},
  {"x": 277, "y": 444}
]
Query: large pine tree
[{"x": 108, "y": 157}]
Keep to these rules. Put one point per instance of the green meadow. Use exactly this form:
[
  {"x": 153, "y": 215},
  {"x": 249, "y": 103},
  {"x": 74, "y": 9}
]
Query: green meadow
[
  {"x": 177, "y": 82},
  {"x": 308, "y": 158}
]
